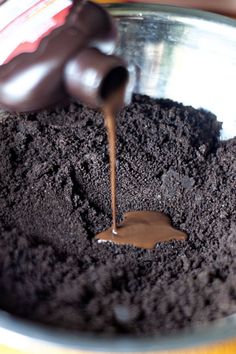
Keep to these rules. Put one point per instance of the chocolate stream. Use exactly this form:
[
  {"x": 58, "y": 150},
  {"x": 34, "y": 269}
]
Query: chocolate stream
[
  {"x": 142, "y": 229},
  {"x": 110, "y": 122}
]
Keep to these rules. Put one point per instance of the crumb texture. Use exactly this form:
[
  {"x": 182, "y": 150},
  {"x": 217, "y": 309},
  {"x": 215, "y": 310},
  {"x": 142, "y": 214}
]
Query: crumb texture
[{"x": 55, "y": 196}]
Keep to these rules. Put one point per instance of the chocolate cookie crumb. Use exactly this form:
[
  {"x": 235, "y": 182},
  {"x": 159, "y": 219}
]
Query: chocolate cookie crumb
[{"x": 55, "y": 196}]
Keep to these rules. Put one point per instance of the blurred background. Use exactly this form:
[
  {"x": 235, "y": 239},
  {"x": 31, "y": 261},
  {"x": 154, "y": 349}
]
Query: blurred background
[{"x": 225, "y": 7}]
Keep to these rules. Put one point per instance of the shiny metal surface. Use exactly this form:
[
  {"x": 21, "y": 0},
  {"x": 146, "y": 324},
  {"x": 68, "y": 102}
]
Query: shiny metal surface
[{"x": 188, "y": 56}]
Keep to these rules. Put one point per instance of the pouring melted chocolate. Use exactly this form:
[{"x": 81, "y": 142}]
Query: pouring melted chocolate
[
  {"x": 143, "y": 229},
  {"x": 72, "y": 60}
]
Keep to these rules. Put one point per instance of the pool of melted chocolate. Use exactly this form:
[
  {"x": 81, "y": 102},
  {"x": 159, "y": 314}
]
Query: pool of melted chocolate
[{"x": 55, "y": 197}]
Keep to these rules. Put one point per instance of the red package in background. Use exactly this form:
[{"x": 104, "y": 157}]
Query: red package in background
[{"x": 24, "y": 23}]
